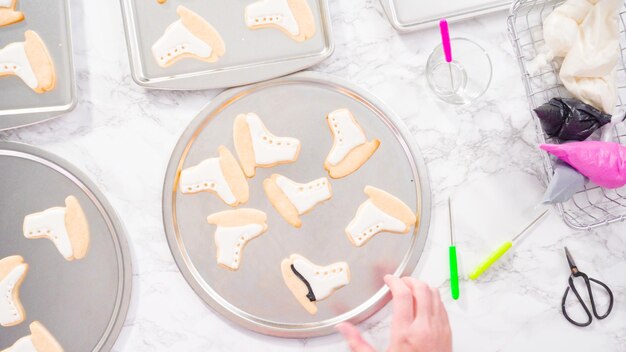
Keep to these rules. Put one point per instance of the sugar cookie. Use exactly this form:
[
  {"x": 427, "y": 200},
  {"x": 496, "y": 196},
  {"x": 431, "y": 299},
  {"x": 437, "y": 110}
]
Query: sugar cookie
[
  {"x": 39, "y": 340},
  {"x": 351, "y": 149},
  {"x": 221, "y": 175},
  {"x": 292, "y": 199},
  {"x": 381, "y": 212},
  {"x": 66, "y": 227},
  {"x": 292, "y": 17},
  {"x": 235, "y": 228},
  {"x": 30, "y": 61},
  {"x": 13, "y": 270},
  {"x": 310, "y": 283},
  {"x": 257, "y": 147},
  {"x": 189, "y": 37},
  {"x": 8, "y": 14}
]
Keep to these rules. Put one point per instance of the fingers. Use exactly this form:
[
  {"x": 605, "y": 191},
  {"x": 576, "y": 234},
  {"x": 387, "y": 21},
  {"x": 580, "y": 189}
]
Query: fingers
[
  {"x": 354, "y": 338},
  {"x": 402, "y": 304},
  {"x": 423, "y": 295}
]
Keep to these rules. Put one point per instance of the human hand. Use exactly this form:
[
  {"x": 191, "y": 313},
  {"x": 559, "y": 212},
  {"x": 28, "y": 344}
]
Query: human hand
[{"x": 419, "y": 322}]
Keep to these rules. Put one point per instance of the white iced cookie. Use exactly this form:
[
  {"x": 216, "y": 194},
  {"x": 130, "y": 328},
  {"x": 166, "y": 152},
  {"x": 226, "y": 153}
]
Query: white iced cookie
[
  {"x": 381, "y": 212},
  {"x": 235, "y": 228},
  {"x": 221, "y": 175},
  {"x": 8, "y": 14},
  {"x": 311, "y": 283},
  {"x": 258, "y": 147},
  {"x": 30, "y": 61},
  {"x": 66, "y": 227},
  {"x": 189, "y": 37},
  {"x": 292, "y": 199},
  {"x": 350, "y": 149},
  {"x": 292, "y": 17},
  {"x": 12, "y": 273},
  {"x": 39, "y": 340}
]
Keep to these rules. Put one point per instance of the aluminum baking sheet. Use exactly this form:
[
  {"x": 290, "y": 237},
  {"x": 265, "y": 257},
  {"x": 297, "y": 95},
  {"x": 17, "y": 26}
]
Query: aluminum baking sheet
[
  {"x": 251, "y": 55},
  {"x": 256, "y": 296},
  {"x": 83, "y": 303},
  {"x": 411, "y": 15},
  {"x": 20, "y": 105}
]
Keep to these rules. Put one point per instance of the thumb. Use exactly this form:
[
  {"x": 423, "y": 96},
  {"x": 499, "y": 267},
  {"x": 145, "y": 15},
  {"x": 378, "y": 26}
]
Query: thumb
[{"x": 354, "y": 338}]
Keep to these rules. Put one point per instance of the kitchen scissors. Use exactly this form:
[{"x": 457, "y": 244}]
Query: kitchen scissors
[{"x": 588, "y": 280}]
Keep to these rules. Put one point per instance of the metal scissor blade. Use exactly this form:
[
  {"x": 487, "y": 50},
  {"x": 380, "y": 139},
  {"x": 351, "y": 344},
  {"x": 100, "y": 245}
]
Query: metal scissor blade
[{"x": 570, "y": 260}]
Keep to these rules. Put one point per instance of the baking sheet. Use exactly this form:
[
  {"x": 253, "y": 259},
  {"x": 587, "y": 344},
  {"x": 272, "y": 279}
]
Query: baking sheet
[
  {"x": 82, "y": 303},
  {"x": 20, "y": 105},
  {"x": 256, "y": 296},
  {"x": 410, "y": 15},
  {"x": 251, "y": 55}
]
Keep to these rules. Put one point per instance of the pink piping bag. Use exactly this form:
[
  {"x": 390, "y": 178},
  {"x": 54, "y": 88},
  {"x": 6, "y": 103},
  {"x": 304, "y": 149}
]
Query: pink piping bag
[{"x": 603, "y": 162}]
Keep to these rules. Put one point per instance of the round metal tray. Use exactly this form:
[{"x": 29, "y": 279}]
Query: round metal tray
[
  {"x": 83, "y": 303},
  {"x": 255, "y": 295}
]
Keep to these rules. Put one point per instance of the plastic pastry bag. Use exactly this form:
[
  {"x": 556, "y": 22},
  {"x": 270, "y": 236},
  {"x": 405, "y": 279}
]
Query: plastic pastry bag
[
  {"x": 588, "y": 70},
  {"x": 603, "y": 162},
  {"x": 570, "y": 119},
  {"x": 565, "y": 182}
]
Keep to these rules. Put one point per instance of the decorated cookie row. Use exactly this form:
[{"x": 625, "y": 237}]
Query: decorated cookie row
[
  {"x": 68, "y": 229},
  {"x": 381, "y": 212},
  {"x": 257, "y": 147},
  {"x": 191, "y": 36}
]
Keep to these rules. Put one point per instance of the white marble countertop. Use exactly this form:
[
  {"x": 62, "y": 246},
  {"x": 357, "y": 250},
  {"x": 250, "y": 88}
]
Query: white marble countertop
[{"x": 121, "y": 136}]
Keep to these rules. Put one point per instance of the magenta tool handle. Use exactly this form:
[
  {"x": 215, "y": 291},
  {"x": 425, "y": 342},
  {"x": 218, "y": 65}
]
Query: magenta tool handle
[{"x": 445, "y": 39}]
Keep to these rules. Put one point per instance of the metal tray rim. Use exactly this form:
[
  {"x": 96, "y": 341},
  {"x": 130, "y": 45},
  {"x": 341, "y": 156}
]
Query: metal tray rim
[
  {"x": 390, "y": 11},
  {"x": 119, "y": 314},
  {"x": 380, "y": 298}
]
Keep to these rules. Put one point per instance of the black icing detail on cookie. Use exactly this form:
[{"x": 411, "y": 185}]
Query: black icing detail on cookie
[{"x": 310, "y": 295}]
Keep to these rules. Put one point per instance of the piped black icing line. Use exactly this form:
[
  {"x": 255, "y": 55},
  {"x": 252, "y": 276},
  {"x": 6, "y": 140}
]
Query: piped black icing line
[{"x": 310, "y": 295}]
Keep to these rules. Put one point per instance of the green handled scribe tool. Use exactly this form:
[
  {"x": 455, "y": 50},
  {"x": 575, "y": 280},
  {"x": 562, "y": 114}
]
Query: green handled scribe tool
[
  {"x": 454, "y": 270},
  {"x": 504, "y": 247}
]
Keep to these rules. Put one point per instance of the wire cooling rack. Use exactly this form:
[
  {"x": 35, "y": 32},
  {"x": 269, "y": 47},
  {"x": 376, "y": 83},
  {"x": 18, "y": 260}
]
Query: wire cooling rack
[{"x": 592, "y": 206}]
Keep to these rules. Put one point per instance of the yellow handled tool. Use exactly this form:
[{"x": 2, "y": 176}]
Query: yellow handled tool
[{"x": 504, "y": 247}]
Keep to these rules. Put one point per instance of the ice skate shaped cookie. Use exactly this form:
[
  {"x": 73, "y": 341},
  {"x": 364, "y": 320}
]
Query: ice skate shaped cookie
[
  {"x": 12, "y": 273},
  {"x": 189, "y": 37},
  {"x": 221, "y": 175},
  {"x": 292, "y": 199},
  {"x": 351, "y": 149},
  {"x": 30, "y": 61},
  {"x": 8, "y": 14},
  {"x": 66, "y": 227},
  {"x": 235, "y": 228},
  {"x": 311, "y": 283},
  {"x": 39, "y": 340},
  {"x": 381, "y": 212},
  {"x": 257, "y": 147},
  {"x": 292, "y": 17}
]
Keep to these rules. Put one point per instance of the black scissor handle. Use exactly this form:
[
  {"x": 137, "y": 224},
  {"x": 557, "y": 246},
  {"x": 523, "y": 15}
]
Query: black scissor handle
[
  {"x": 593, "y": 304},
  {"x": 582, "y": 303}
]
